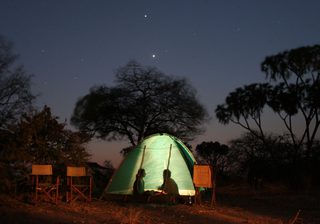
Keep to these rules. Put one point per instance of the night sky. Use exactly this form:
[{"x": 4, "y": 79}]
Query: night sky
[{"x": 69, "y": 46}]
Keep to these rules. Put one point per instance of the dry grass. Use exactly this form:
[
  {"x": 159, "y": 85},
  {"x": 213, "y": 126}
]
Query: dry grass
[{"x": 236, "y": 204}]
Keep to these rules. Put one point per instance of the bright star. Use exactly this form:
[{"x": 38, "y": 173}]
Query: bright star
[{"x": 153, "y": 55}]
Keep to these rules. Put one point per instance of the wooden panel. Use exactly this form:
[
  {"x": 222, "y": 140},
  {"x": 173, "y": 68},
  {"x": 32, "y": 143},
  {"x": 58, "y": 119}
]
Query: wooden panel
[
  {"x": 202, "y": 176},
  {"x": 41, "y": 170},
  {"x": 76, "y": 171}
]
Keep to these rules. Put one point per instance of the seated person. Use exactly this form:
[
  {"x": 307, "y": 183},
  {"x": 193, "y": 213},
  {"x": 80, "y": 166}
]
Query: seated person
[
  {"x": 138, "y": 186},
  {"x": 169, "y": 186}
]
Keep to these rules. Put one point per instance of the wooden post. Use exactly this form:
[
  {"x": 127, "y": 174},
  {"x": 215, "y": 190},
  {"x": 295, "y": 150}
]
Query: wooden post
[
  {"x": 37, "y": 182},
  {"x": 213, "y": 196},
  {"x": 90, "y": 188},
  {"x": 57, "y": 189}
]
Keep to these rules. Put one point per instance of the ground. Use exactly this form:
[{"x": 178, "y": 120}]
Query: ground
[{"x": 234, "y": 205}]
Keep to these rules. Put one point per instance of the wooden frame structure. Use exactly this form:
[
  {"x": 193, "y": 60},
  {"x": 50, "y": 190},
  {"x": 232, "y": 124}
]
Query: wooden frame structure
[
  {"x": 79, "y": 184},
  {"x": 203, "y": 177},
  {"x": 45, "y": 185}
]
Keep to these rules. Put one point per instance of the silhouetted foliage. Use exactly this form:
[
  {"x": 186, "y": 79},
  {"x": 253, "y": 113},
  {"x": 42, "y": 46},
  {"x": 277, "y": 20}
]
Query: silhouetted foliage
[
  {"x": 47, "y": 141},
  {"x": 261, "y": 159},
  {"x": 15, "y": 99},
  {"x": 296, "y": 90},
  {"x": 214, "y": 154},
  {"x": 38, "y": 138},
  {"x": 126, "y": 150},
  {"x": 143, "y": 102},
  {"x": 271, "y": 161},
  {"x": 101, "y": 176},
  {"x": 292, "y": 92},
  {"x": 297, "y": 73},
  {"x": 108, "y": 164},
  {"x": 244, "y": 105},
  {"x": 15, "y": 94}
]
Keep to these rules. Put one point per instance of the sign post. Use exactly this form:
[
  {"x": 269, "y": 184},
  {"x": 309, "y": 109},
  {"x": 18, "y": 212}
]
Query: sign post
[{"x": 203, "y": 177}]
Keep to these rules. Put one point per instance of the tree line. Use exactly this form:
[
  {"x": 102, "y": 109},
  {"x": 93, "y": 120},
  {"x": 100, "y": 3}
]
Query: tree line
[
  {"x": 145, "y": 101},
  {"x": 28, "y": 135},
  {"x": 292, "y": 93}
]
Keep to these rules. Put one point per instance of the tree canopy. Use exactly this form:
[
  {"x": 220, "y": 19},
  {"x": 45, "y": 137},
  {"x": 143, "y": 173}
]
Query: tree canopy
[
  {"x": 38, "y": 138},
  {"x": 297, "y": 74},
  {"x": 143, "y": 101},
  {"x": 26, "y": 135},
  {"x": 15, "y": 93},
  {"x": 212, "y": 153},
  {"x": 293, "y": 89},
  {"x": 243, "y": 105}
]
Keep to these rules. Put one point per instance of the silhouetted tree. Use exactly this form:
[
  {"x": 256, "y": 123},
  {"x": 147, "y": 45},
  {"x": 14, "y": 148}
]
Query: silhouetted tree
[
  {"x": 15, "y": 99},
  {"x": 144, "y": 101},
  {"x": 297, "y": 73},
  {"x": 292, "y": 93},
  {"x": 15, "y": 94},
  {"x": 38, "y": 138},
  {"x": 268, "y": 160},
  {"x": 244, "y": 107},
  {"x": 108, "y": 164},
  {"x": 294, "y": 89},
  {"x": 101, "y": 175},
  {"x": 214, "y": 154},
  {"x": 48, "y": 141},
  {"x": 126, "y": 150}
]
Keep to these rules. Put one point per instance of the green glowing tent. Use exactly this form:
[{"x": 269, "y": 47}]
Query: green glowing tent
[{"x": 154, "y": 154}]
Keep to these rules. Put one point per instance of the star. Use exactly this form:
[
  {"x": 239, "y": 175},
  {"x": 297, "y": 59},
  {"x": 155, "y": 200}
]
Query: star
[
  {"x": 153, "y": 56},
  {"x": 236, "y": 28},
  {"x": 145, "y": 16}
]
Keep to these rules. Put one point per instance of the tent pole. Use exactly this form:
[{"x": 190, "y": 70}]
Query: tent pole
[
  {"x": 166, "y": 177},
  {"x": 142, "y": 160},
  {"x": 168, "y": 161},
  {"x": 169, "y": 157}
]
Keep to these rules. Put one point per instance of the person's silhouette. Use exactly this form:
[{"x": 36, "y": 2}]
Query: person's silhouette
[
  {"x": 169, "y": 186},
  {"x": 138, "y": 186}
]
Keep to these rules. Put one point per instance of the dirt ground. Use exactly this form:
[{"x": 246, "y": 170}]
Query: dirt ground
[{"x": 234, "y": 205}]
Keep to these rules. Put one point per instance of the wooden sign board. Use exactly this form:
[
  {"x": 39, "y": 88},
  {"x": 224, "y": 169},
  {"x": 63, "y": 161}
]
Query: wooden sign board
[
  {"x": 202, "y": 176},
  {"x": 76, "y": 171},
  {"x": 41, "y": 170}
]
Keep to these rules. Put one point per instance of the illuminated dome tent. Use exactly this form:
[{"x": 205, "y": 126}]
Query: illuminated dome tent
[{"x": 154, "y": 154}]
